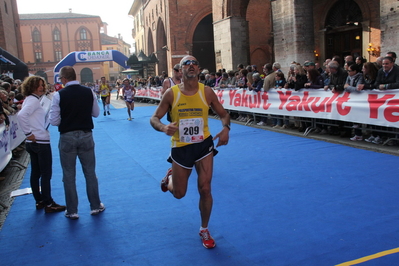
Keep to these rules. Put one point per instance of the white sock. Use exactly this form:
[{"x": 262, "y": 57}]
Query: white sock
[{"x": 202, "y": 228}]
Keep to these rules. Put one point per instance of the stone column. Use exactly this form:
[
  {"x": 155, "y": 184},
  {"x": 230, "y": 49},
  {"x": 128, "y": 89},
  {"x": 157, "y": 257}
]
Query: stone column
[
  {"x": 293, "y": 29},
  {"x": 231, "y": 42},
  {"x": 389, "y": 18}
]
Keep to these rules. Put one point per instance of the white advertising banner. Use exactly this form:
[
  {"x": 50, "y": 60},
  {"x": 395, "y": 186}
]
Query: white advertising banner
[
  {"x": 10, "y": 138},
  {"x": 93, "y": 56},
  {"x": 150, "y": 93},
  {"x": 5, "y": 151},
  {"x": 373, "y": 107},
  {"x": 367, "y": 107}
]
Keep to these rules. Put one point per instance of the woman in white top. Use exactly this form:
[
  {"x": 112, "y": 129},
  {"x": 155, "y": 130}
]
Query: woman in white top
[{"x": 32, "y": 120}]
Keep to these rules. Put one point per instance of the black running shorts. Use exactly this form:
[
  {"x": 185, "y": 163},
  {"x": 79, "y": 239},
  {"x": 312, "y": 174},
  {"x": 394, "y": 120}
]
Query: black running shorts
[{"x": 188, "y": 155}]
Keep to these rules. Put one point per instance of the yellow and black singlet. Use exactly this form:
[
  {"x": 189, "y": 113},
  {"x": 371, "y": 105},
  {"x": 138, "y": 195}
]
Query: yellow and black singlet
[
  {"x": 104, "y": 90},
  {"x": 191, "y": 115}
]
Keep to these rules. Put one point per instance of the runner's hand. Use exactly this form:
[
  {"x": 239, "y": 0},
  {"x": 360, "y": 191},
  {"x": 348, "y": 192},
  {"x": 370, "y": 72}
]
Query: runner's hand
[
  {"x": 170, "y": 129},
  {"x": 223, "y": 137}
]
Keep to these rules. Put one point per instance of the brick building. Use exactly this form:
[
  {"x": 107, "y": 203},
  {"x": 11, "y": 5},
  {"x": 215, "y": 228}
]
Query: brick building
[
  {"x": 112, "y": 70},
  {"x": 47, "y": 38},
  {"x": 224, "y": 33},
  {"x": 10, "y": 35}
]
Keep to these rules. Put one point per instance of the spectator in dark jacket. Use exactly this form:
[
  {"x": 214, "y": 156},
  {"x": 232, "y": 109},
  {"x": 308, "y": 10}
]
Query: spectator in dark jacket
[
  {"x": 388, "y": 75},
  {"x": 337, "y": 77},
  {"x": 257, "y": 85},
  {"x": 315, "y": 81}
]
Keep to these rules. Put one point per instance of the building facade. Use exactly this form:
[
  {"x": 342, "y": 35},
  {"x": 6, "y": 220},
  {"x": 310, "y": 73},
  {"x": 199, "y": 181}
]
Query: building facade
[
  {"x": 112, "y": 70},
  {"x": 48, "y": 38},
  {"x": 225, "y": 33},
  {"x": 10, "y": 35}
]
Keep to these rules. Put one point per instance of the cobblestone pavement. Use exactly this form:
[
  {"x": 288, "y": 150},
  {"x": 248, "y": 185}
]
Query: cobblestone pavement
[{"x": 14, "y": 174}]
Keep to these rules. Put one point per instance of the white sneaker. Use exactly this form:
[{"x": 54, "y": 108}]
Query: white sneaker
[
  {"x": 377, "y": 140},
  {"x": 72, "y": 216},
  {"x": 277, "y": 126},
  {"x": 284, "y": 127},
  {"x": 355, "y": 138},
  {"x": 97, "y": 211},
  {"x": 260, "y": 123},
  {"x": 370, "y": 139}
]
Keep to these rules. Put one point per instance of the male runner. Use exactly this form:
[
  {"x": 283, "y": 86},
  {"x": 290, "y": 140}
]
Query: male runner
[
  {"x": 192, "y": 143},
  {"x": 128, "y": 93},
  {"x": 105, "y": 92},
  {"x": 169, "y": 82}
]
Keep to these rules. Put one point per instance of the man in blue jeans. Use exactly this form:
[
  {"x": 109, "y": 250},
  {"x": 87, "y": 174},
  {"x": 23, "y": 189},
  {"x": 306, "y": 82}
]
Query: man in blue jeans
[{"x": 72, "y": 110}]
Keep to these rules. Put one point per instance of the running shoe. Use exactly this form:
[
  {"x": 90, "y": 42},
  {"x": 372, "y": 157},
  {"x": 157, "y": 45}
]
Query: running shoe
[
  {"x": 108, "y": 113},
  {"x": 105, "y": 113},
  {"x": 97, "y": 211},
  {"x": 207, "y": 240},
  {"x": 165, "y": 180},
  {"x": 72, "y": 216}
]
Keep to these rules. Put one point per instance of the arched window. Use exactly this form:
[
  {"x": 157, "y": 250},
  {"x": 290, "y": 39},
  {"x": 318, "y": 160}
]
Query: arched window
[
  {"x": 41, "y": 74},
  {"x": 36, "y": 36},
  {"x": 86, "y": 75},
  {"x": 56, "y": 35},
  {"x": 83, "y": 34}
]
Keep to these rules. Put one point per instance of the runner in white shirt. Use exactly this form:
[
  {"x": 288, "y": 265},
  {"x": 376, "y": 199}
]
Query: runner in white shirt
[{"x": 128, "y": 93}]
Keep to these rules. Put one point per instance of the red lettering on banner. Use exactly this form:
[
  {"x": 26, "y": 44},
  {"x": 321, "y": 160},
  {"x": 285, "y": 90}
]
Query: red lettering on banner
[
  {"x": 310, "y": 104},
  {"x": 305, "y": 102},
  {"x": 321, "y": 107},
  {"x": 237, "y": 99},
  {"x": 283, "y": 98},
  {"x": 249, "y": 100},
  {"x": 219, "y": 94},
  {"x": 375, "y": 103},
  {"x": 329, "y": 103},
  {"x": 245, "y": 99},
  {"x": 294, "y": 103},
  {"x": 391, "y": 110},
  {"x": 340, "y": 102},
  {"x": 232, "y": 93},
  {"x": 265, "y": 98}
]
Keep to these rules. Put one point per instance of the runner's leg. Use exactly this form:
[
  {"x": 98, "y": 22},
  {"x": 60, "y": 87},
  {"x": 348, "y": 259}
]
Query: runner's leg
[{"x": 204, "y": 170}]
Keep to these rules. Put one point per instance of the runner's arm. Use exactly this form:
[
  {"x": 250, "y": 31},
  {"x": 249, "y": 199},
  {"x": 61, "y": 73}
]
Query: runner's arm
[
  {"x": 224, "y": 116},
  {"x": 160, "y": 112}
]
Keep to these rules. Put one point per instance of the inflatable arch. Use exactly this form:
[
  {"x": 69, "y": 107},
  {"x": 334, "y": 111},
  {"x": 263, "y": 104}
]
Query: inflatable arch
[{"x": 89, "y": 56}]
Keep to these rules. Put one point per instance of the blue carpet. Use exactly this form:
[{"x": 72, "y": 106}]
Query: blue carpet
[{"x": 278, "y": 200}]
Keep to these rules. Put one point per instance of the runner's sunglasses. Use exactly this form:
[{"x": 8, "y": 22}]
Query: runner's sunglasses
[{"x": 188, "y": 62}]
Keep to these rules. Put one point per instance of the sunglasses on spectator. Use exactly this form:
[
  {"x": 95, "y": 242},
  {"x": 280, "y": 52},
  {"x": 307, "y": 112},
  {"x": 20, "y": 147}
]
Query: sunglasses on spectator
[{"x": 188, "y": 62}]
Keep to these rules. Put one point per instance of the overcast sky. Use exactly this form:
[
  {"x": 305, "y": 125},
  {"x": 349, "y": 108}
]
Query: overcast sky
[{"x": 115, "y": 12}]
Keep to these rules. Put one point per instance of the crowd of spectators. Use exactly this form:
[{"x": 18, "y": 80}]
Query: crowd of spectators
[
  {"x": 352, "y": 74},
  {"x": 10, "y": 96}
]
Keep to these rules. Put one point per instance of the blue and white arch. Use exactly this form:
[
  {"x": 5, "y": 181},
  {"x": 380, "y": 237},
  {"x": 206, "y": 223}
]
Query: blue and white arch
[{"x": 89, "y": 56}]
